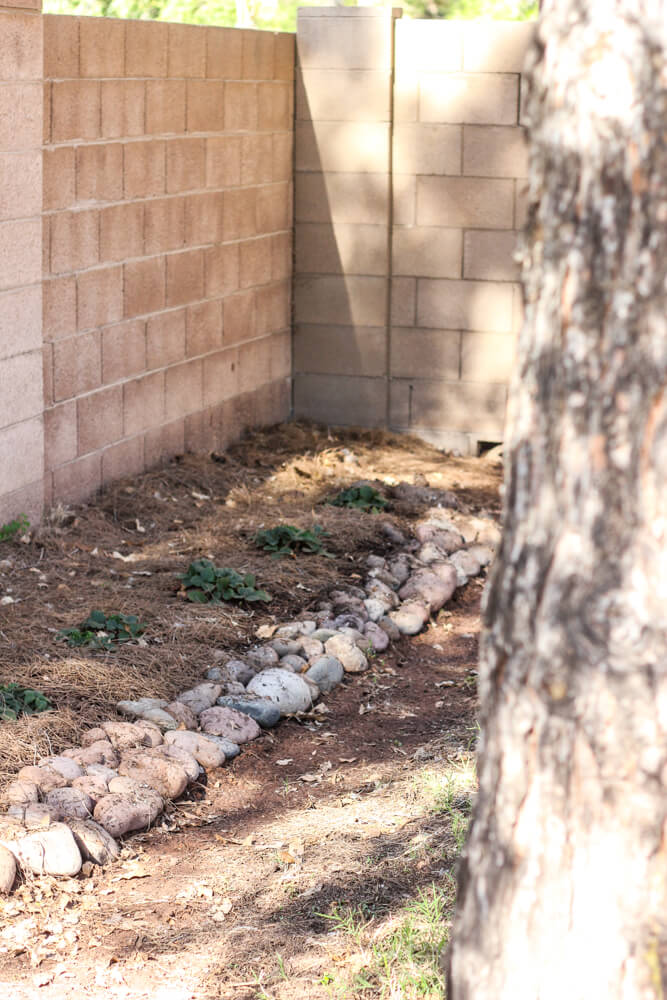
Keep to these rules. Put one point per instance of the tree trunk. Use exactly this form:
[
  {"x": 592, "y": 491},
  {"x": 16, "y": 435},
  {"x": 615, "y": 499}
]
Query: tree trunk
[{"x": 563, "y": 880}]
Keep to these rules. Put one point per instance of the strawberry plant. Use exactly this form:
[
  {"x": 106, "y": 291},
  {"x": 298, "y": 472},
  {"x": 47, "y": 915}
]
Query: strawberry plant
[
  {"x": 285, "y": 540},
  {"x": 16, "y": 700},
  {"x": 205, "y": 583},
  {"x": 100, "y": 631},
  {"x": 364, "y": 498}
]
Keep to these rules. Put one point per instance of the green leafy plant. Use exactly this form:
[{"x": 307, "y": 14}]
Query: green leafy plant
[
  {"x": 206, "y": 583},
  {"x": 285, "y": 540},
  {"x": 364, "y": 498},
  {"x": 16, "y": 700},
  {"x": 100, "y": 631},
  {"x": 13, "y": 528}
]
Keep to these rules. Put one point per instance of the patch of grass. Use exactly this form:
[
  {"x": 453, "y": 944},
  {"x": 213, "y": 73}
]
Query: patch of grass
[
  {"x": 286, "y": 540},
  {"x": 13, "y": 528},
  {"x": 205, "y": 583},
  {"x": 100, "y": 631},
  {"x": 365, "y": 498},
  {"x": 450, "y": 794},
  {"x": 16, "y": 700}
]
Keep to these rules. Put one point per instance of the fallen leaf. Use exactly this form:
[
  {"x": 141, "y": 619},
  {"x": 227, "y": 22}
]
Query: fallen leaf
[
  {"x": 310, "y": 777},
  {"x": 445, "y": 684},
  {"x": 284, "y": 762},
  {"x": 348, "y": 760},
  {"x": 265, "y": 631}
]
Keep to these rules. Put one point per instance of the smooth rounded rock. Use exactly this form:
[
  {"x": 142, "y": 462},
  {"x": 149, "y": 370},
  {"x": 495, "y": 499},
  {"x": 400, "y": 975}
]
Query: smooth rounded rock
[
  {"x": 465, "y": 565},
  {"x": 375, "y": 609},
  {"x": 263, "y": 711},
  {"x": 48, "y": 851},
  {"x": 322, "y": 634},
  {"x": 429, "y": 588},
  {"x": 167, "y": 777},
  {"x": 123, "y": 813},
  {"x": 183, "y": 757},
  {"x": 7, "y": 870},
  {"x": 46, "y": 778},
  {"x": 94, "y": 786},
  {"x": 93, "y": 841},
  {"x": 377, "y": 637},
  {"x": 483, "y": 554},
  {"x": 65, "y": 802},
  {"x": 262, "y": 657},
  {"x": 345, "y": 649},
  {"x": 410, "y": 618},
  {"x": 238, "y": 670},
  {"x": 400, "y": 568},
  {"x": 121, "y": 735},
  {"x": 101, "y": 771},
  {"x": 284, "y": 647},
  {"x": 391, "y": 628},
  {"x": 286, "y": 690},
  {"x": 138, "y": 707},
  {"x": 205, "y": 751},
  {"x": 310, "y": 648},
  {"x": 293, "y": 663},
  {"x": 215, "y": 674},
  {"x": 326, "y": 672},
  {"x": 183, "y": 715},
  {"x": 200, "y": 697},
  {"x": 151, "y": 734},
  {"x": 63, "y": 765},
  {"x": 161, "y": 718},
  {"x": 22, "y": 793},
  {"x": 228, "y": 747},
  {"x": 235, "y": 726}
]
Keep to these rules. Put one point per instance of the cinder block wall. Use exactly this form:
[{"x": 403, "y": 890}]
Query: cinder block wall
[
  {"x": 433, "y": 219},
  {"x": 21, "y": 426},
  {"x": 167, "y": 242}
]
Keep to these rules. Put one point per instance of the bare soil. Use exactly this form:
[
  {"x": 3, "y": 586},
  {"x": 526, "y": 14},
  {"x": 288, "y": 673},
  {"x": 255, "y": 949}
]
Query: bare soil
[{"x": 232, "y": 895}]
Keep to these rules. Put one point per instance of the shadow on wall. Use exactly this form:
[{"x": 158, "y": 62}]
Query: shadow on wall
[{"x": 408, "y": 203}]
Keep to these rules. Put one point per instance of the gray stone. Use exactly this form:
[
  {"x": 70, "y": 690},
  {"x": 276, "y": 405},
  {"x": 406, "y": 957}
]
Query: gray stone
[
  {"x": 410, "y": 618},
  {"x": 465, "y": 565},
  {"x": 294, "y": 663},
  {"x": 238, "y": 670},
  {"x": 289, "y": 631},
  {"x": 350, "y": 620},
  {"x": 377, "y": 637},
  {"x": 400, "y": 568},
  {"x": 136, "y": 709},
  {"x": 327, "y": 672},
  {"x": 379, "y": 591},
  {"x": 385, "y": 577},
  {"x": 285, "y": 647},
  {"x": 263, "y": 711},
  {"x": 391, "y": 532},
  {"x": 375, "y": 562},
  {"x": 215, "y": 674},
  {"x": 64, "y": 802},
  {"x": 376, "y": 609},
  {"x": 68, "y": 768},
  {"x": 235, "y": 726},
  {"x": 200, "y": 697},
  {"x": 429, "y": 588},
  {"x": 310, "y": 648},
  {"x": 308, "y": 627},
  {"x": 228, "y": 747},
  {"x": 391, "y": 628},
  {"x": 233, "y": 687},
  {"x": 345, "y": 649},
  {"x": 322, "y": 634},
  {"x": 483, "y": 554},
  {"x": 93, "y": 841},
  {"x": 262, "y": 657},
  {"x": 286, "y": 690},
  {"x": 162, "y": 719}
]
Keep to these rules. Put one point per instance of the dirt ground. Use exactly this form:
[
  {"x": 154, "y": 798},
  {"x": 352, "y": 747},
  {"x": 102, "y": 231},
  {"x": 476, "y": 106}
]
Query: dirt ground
[{"x": 283, "y": 875}]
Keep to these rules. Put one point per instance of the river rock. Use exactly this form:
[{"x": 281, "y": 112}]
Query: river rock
[
  {"x": 161, "y": 718},
  {"x": 286, "y": 690},
  {"x": 465, "y": 565},
  {"x": 384, "y": 576},
  {"x": 262, "y": 657},
  {"x": 137, "y": 708},
  {"x": 350, "y": 620},
  {"x": 391, "y": 628},
  {"x": 151, "y": 734},
  {"x": 322, "y": 634},
  {"x": 7, "y": 870},
  {"x": 92, "y": 736},
  {"x": 326, "y": 672},
  {"x": 46, "y": 778},
  {"x": 63, "y": 765},
  {"x": 293, "y": 663},
  {"x": 235, "y": 726},
  {"x": 33, "y": 816},
  {"x": 375, "y": 562},
  {"x": 121, "y": 813},
  {"x": 188, "y": 762},
  {"x": 375, "y": 609},
  {"x": 167, "y": 777},
  {"x": 50, "y": 850},
  {"x": 400, "y": 568},
  {"x": 288, "y": 631},
  {"x": 238, "y": 670},
  {"x": 285, "y": 647},
  {"x": 217, "y": 674},
  {"x": 228, "y": 747},
  {"x": 483, "y": 554},
  {"x": 101, "y": 771},
  {"x": 205, "y": 751},
  {"x": 182, "y": 714},
  {"x": 377, "y": 637},
  {"x": 310, "y": 648},
  {"x": 410, "y": 618},
  {"x": 93, "y": 841},
  {"x": 65, "y": 802},
  {"x": 393, "y": 533},
  {"x": 379, "y": 591},
  {"x": 121, "y": 735},
  {"x": 263, "y": 711},
  {"x": 429, "y": 588},
  {"x": 94, "y": 786},
  {"x": 22, "y": 793},
  {"x": 201, "y": 697},
  {"x": 345, "y": 649},
  {"x": 100, "y": 752}
]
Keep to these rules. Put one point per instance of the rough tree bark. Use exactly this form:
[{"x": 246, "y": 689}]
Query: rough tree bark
[{"x": 563, "y": 881}]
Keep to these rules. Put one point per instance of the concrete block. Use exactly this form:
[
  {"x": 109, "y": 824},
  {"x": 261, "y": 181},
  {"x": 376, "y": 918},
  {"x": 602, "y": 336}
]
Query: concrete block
[
  {"x": 241, "y": 107},
  {"x": 494, "y": 151},
  {"x": 20, "y": 252},
  {"x": 60, "y": 435},
  {"x": 20, "y": 321},
  {"x": 361, "y": 147},
  {"x": 284, "y": 55},
  {"x": 223, "y": 53},
  {"x": 427, "y": 149},
  {"x": 58, "y": 177},
  {"x": 274, "y": 208},
  {"x": 404, "y": 301},
  {"x": 203, "y": 218},
  {"x": 206, "y": 106},
  {"x": 464, "y": 305},
  {"x": 74, "y": 241},
  {"x": 122, "y": 231},
  {"x": 343, "y": 95},
  {"x": 345, "y": 299},
  {"x": 123, "y": 351},
  {"x": 340, "y": 350},
  {"x": 186, "y": 51},
  {"x": 146, "y": 48},
  {"x": 429, "y": 45},
  {"x": 517, "y": 309},
  {"x": 257, "y": 61},
  {"x": 78, "y": 481},
  {"x": 123, "y": 108},
  {"x": 255, "y": 262},
  {"x": 165, "y": 339},
  {"x": 362, "y": 42},
  {"x": 473, "y": 99},
  {"x": 185, "y": 277},
  {"x": 223, "y": 161},
  {"x": 467, "y": 407},
  {"x": 75, "y": 110},
  {"x": 123, "y": 460},
  {"x": 238, "y": 317},
  {"x": 496, "y": 46},
  {"x": 144, "y": 168},
  {"x": 21, "y": 380},
  {"x": 184, "y": 391},
  {"x": 341, "y": 399},
  {"x": 256, "y": 159},
  {"x": 21, "y": 46},
  {"x": 272, "y": 308},
  {"x": 143, "y": 403},
  {"x": 164, "y": 224},
  {"x": 280, "y": 355},
  {"x": 427, "y": 251},
  {"x": 239, "y": 217},
  {"x": 99, "y": 172},
  {"x": 221, "y": 269},
  {"x": 165, "y": 106},
  {"x": 488, "y": 255},
  {"x": 253, "y": 365},
  {"x": 100, "y": 418},
  {"x": 203, "y": 328},
  {"x": 406, "y": 97},
  {"x": 405, "y": 199},
  {"x": 143, "y": 286},
  {"x": 164, "y": 442},
  {"x": 59, "y": 308},
  {"x": 21, "y": 454},
  {"x": 281, "y": 256},
  {"x": 77, "y": 366},
  {"x": 281, "y": 156},
  {"x": 341, "y": 249},
  {"x": 99, "y": 297},
  {"x": 465, "y": 202},
  {"x": 487, "y": 357},
  {"x": 419, "y": 353},
  {"x": 356, "y": 198},
  {"x": 275, "y": 106},
  {"x": 21, "y": 116},
  {"x": 186, "y": 165},
  {"x": 521, "y": 203},
  {"x": 47, "y": 374},
  {"x": 61, "y": 46},
  {"x": 101, "y": 47},
  {"x": 20, "y": 184}
]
